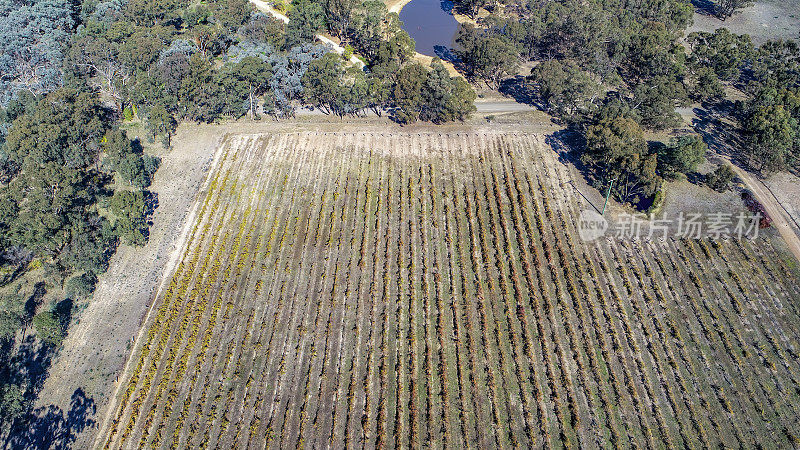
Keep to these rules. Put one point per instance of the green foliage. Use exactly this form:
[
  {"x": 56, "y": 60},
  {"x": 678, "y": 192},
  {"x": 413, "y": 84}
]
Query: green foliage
[
  {"x": 52, "y": 152},
  {"x": 334, "y": 89},
  {"x": 262, "y": 28},
  {"x": 445, "y": 98},
  {"x": 200, "y": 98},
  {"x": 12, "y": 402},
  {"x": 432, "y": 96},
  {"x": 152, "y": 12},
  {"x": 91, "y": 244},
  {"x": 230, "y": 14},
  {"x": 130, "y": 212},
  {"x": 616, "y": 150},
  {"x": 49, "y": 328},
  {"x": 721, "y": 178},
  {"x": 566, "y": 90},
  {"x": 721, "y": 51},
  {"x": 116, "y": 146},
  {"x": 704, "y": 85},
  {"x": 196, "y": 15},
  {"x": 138, "y": 169},
  {"x": 12, "y": 314},
  {"x": 126, "y": 158},
  {"x": 377, "y": 94},
  {"x": 487, "y": 56},
  {"x": 655, "y": 101},
  {"x": 587, "y": 50},
  {"x": 127, "y": 114},
  {"x": 726, "y": 8},
  {"x": 772, "y": 140},
  {"x": 161, "y": 122},
  {"x": 407, "y": 92},
  {"x": 306, "y": 19},
  {"x": 471, "y": 7},
  {"x": 80, "y": 286},
  {"x": 681, "y": 156},
  {"x": 776, "y": 66},
  {"x": 139, "y": 51},
  {"x": 653, "y": 52},
  {"x": 243, "y": 82},
  {"x": 339, "y": 14},
  {"x": 771, "y": 119},
  {"x": 322, "y": 84}
]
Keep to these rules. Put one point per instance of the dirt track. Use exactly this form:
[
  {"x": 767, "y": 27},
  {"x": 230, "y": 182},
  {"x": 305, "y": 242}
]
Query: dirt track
[{"x": 780, "y": 220}]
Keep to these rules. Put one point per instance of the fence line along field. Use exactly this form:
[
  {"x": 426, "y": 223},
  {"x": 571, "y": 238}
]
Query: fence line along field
[{"x": 361, "y": 289}]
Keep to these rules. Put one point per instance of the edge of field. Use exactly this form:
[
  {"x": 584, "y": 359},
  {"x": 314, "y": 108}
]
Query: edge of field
[{"x": 169, "y": 270}]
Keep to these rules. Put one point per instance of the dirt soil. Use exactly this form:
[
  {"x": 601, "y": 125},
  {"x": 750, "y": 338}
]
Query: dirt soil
[
  {"x": 766, "y": 20},
  {"x": 786, "y": 188},
  {"x": 97, "y": 346},
  {"x": 782, "y": 217}
]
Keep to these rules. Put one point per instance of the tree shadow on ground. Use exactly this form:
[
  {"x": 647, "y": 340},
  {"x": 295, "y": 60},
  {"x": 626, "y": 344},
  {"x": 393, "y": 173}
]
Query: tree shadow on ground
[
  {"x": 32, "y": 361},
  {"x": 568, "y": 145},
  {"x": 150, "y": 205},
  {"x": 520, "y": 90},
  {"x": 50, "y": 428},
  {"x": 446, "y": 54},
  {"x": 35, "y": 299},
  {"x": 704, "y": 7},
  {"x": 722, "y": 136}
]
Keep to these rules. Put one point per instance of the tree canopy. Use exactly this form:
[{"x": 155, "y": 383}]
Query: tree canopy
[{"x": 617, "y": 152}]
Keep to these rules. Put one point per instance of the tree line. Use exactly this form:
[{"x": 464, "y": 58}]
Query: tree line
[{"x": 613, "y": 70}]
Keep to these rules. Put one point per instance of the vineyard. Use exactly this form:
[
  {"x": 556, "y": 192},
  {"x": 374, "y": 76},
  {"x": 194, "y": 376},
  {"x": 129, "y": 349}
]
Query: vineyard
[{"x": 361, "y": 289}]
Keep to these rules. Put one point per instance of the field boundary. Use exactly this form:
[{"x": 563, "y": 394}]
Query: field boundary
[
  {"x": 169, "y": 270},
  {"x": 357, "y": 288}
]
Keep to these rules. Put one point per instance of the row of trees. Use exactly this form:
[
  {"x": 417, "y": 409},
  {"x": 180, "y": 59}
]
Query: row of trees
[
  {"x": 417, "y": 93},
  {"x": 204, "y": 62},
  {"x": 72, "y": 187}
]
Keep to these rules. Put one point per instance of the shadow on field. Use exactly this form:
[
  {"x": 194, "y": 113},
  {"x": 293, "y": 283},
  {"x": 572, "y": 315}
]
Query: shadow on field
[
  {"x": 567, "y": 144},
  {"x": 713, "y": 123}
]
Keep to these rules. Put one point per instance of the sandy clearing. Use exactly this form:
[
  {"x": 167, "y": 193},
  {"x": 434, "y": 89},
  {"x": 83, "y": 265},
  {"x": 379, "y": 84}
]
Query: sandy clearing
[
  {"x": 766, "y": 20},
  {"x": 395, "y": 6},
  {"x": 786, "y": 187}
]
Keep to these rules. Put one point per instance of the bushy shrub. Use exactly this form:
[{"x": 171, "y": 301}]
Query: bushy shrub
[
  {"x": 81, "y": 286},
  {"x": 721, "y": 178},
  {"x": 49, "y": 328}
]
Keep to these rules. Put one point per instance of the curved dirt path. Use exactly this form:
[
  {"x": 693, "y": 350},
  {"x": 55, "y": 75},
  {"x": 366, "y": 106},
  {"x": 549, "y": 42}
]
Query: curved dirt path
[
  {"x": 265, "y": 7},
  {"x": 776, "y": 212}
]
